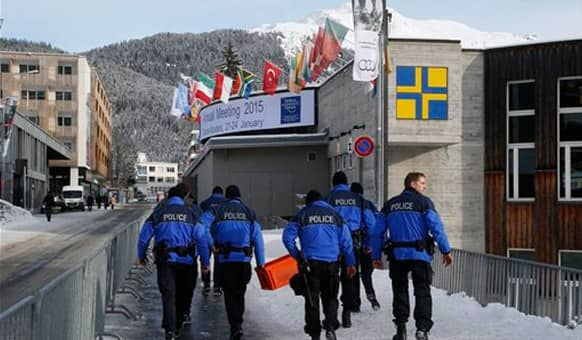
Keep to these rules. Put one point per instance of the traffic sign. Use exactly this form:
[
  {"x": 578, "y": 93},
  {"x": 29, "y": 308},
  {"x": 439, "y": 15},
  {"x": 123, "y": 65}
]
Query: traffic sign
[{"x": 363, "y": 146}]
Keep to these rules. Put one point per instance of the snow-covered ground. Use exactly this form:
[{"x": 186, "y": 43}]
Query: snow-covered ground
[
  {"x": 11, "y": 213},
  {"x": 456, "y": 317}
]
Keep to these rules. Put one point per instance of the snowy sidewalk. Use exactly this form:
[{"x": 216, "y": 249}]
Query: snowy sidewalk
[{"x": 279, "y": 315}]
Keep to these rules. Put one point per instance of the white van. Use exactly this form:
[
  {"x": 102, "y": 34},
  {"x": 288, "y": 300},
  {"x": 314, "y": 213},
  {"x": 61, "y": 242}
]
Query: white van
[{"x": 74, "y": 197}]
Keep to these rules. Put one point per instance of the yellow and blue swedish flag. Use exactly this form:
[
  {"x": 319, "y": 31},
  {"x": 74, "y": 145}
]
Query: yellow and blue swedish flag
[{"x": 421, "y": 92}]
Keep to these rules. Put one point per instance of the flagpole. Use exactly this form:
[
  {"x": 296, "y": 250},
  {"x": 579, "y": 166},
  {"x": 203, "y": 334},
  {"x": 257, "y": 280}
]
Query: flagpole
[{"x": 382, "y": 105}]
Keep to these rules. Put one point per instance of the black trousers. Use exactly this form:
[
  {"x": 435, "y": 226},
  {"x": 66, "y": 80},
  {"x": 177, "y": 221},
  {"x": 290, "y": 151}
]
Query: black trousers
[
  {"x": 48, "y": 211},
  {"x": 323, "y": 281},
  {"x": 366, "y": 270},
  {"x": 234, "y": 277},
  {"x": 421, "y": 280},
  {"x": 351, "y": 286},
  {"x": 176, "y": 284},
  {"x": 214, "y": 274}
]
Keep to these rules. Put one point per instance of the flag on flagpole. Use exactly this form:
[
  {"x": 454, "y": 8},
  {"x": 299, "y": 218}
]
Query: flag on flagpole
[
  {"x": 237, "y": 82},
  {"x": 205, "y": 88},
  {"x": 174, "y": 110},
  {"x": 332, "y": 40},
  {"x": 271, "y": 74},
  {"x": 222, "y": 88},
  {"x": 248, "y": 79},
  {"x": 192, "y": 92},
  {"x": 291, "y": 83},
  {"x": 180, "y": 106}
]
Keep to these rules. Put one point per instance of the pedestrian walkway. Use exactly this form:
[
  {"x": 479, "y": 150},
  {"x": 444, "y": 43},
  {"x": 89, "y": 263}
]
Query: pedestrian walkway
[{"x": 279, "y": 315}]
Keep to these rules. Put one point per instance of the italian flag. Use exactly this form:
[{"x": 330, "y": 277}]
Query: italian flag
[
  {"x": 205, "y": 89},
  {"x": 223, "y": 87}
]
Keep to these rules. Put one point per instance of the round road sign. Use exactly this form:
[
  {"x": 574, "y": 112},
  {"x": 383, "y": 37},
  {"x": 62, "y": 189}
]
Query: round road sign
[{"x": 364, "y": 146}]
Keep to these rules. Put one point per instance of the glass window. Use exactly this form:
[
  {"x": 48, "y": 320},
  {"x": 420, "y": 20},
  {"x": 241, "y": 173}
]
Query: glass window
[
  {"x": 521, "y": 96},
  {"x": 522, "y": 129},
  {"x": 170, "y": 180},
  {"x": 523, "y": 254},
  {"x": 65, "y": 69},
  {"x": 4, "y": 68},
  {"x": 65, "y": 121},
  {"x": 152, "y": 169},
  {"x": 68, "y": 145},
  {"x": 576, "y": 172},
  {"x": 521, "y": 173},
  {"x": 527, "y": 168},
  {"x": 571, "y": 93},
  {"x": 571, "y": 127},
  {"x": 170, "y": 169},
  {"x": 151, "y": 179},
  {"x": 160, "y": 179},
  {"x": 571, "y": 259},
  {"x": 33, "y": 119},
  {"x": 562, "y": 172},
  {"x": 64, "y": 95}
]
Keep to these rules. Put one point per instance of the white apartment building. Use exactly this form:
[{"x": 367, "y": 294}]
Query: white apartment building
[{"x": 154, "y": 179}]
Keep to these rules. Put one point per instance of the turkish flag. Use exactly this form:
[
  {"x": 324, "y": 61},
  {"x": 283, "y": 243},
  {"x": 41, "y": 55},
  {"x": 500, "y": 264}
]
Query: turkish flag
[{"x": 271, "y": 76}]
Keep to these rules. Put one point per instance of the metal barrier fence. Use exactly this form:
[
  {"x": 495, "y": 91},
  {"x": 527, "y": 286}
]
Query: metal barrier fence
[
  {"x": 530, "y": 287},
  {"x": 73, "y": 305}
]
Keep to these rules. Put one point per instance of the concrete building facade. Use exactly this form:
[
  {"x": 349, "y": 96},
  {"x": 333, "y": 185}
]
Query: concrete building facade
[
  {"x": 154, "y": 179},
  {"x": 64, "y": 96}
]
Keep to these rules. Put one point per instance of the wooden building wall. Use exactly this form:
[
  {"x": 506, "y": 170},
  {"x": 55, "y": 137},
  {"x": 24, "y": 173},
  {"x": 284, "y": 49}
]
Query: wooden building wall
[{"x": 545, "y": 224}]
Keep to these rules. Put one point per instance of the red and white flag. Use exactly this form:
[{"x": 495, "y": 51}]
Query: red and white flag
[
  {"x": 222, "y": 88},
  {"x": 271, "y": 75}
]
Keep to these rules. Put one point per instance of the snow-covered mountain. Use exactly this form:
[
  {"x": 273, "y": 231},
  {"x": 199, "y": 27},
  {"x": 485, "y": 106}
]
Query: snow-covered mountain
[{"x": 401, "y": 27}]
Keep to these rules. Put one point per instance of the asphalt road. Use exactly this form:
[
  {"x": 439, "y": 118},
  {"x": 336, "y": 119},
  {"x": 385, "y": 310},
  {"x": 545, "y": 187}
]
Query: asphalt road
[{"x": 39, "y": 257}]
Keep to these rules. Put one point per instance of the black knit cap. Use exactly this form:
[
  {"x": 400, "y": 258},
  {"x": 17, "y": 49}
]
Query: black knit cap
[
  {"x": 232, "y": 191},
  {"x": 180, "y": 190},
  {"x": 217, "y": 190},
  {"x": 339, "y": 178},
  {"x": 357, "y": 188},
  {"x": 312, "y": 196}
]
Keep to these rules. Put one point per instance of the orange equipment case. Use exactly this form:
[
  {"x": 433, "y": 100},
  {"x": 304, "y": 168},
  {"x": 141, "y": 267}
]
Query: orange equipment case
[{"x": 277, "y": 273}]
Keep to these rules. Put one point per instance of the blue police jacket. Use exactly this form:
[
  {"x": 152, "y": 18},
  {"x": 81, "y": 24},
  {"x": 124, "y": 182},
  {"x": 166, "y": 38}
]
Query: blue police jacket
[
  {"x": 322, "y": 235},
  {"x": 351, "y": 207},
  {"x": 175, "y": 225},
  {"x": 408, "y": 217},
  {"x": 233, "y": 223},
  {"x": 212, "y": 202}
]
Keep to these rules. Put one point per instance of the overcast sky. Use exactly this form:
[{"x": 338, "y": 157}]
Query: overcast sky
[{"x": 78, "y": 25}]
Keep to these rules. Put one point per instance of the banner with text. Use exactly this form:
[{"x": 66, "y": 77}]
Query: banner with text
[{"x": 282, "y": 110}]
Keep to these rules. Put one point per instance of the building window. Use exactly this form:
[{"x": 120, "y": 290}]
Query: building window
[
  {"x": 522, "y": 254},
  {"x": 33, "y": 119},
  {"x": 4, "y": 68},
  {"x": 152, "y": 169},
  {"x": 64, "y": 95},
  {"x": 160, "y": 179},
  {"x": 65, "y": 69},
  {"x": 571, "y": 259},
  {"x": 29, "y": 68},
  {"x": 141, "y": 170},
  {"x": 521, "y": 130},
  {"x": 570, "y": 138},
  {"x": 170, "y": 180},
  {"x": 69, "y": 145},
  {"x": 32, "y": 95},
  {"x": 65, "y": 121},
  {"x": 170, "y": 170},
  {"x": 151, "y": 179}
]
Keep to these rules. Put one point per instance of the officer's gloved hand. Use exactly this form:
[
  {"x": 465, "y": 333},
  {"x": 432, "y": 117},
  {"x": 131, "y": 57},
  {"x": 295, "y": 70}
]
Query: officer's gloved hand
[
  {"x": 367, "y": 250},
  {"x": 142, "y": 262},
  {"x": 205, "y": 269},
  {"x": 351, "y": 271},
  {"x": 447, "y": 259},
  {"x": 378, "y": 264}
]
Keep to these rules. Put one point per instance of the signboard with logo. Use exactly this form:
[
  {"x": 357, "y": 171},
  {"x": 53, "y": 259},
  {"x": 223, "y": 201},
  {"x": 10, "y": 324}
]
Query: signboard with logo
[
  {"x": 364, "y": 146},
  {"x": 281, "y": 110}
]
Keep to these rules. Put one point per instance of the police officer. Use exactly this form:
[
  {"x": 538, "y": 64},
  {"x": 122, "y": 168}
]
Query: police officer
[
  {"x": 365, "y": 254},
  {"x": 176, "y": 244},
  {"x": 213, "y": 201},
  {"x": 349, "y": 206},
  {"x": 323, "y": 237},
  {"x": 235, "y": 232},
  {"x": 414, "y": 226}
]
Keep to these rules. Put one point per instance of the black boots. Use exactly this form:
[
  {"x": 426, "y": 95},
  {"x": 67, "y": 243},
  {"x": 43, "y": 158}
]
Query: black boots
[
  {"x": 373, "y": 301},
  {"x": 400, "y": 332},
  {"x": 346, "y": 318},
  {"x": 236, "y": 334},
  {"x": 330, "y": 335},
  {"x": 421, "y": 335}
]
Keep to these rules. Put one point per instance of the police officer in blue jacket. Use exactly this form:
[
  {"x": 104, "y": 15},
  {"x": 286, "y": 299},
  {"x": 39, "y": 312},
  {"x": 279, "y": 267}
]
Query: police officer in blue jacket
[
  {"x": 349, "y": 206},
  {"x": 176, "y": 244},
  {"x": 365, "y": 255},
  {"x": 213, "y": 201},
  {"x": 235, "y": 232},
  {"x": 323, "y": 237},
  {"x": 414, "y": 226}
]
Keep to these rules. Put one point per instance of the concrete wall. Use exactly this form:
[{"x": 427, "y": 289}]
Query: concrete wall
[
  {"x": 269, "y": 178},
  {"x": 342, "y": 104}
]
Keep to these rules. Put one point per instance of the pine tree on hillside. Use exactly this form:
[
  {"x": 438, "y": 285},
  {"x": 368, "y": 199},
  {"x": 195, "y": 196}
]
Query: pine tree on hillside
[{"x": 232, "y": 61}]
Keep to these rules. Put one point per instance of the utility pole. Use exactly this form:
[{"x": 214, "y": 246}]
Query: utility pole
[{"x": 382, "y": 84}]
